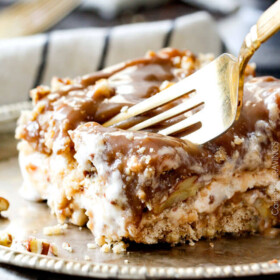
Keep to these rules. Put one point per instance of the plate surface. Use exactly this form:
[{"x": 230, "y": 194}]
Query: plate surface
[{"x": 228, "y": 257}]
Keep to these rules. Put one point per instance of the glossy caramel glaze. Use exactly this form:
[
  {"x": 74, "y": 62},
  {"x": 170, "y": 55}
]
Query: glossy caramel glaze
[
  {"x": 81, "y": 100},
  {"x": 59, "y": 110}
]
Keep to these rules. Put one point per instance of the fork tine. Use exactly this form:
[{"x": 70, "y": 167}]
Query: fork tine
[
  {"x": 186, "y": 105},
  {"x": 182, "y": 124},
  {"x": 200, "y": 136},
  {"x": 179, "y": 89}
]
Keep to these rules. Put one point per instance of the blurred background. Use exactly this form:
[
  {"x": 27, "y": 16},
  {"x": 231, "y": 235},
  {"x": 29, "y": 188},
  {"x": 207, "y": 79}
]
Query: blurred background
[{"x": 233, "y": 17}]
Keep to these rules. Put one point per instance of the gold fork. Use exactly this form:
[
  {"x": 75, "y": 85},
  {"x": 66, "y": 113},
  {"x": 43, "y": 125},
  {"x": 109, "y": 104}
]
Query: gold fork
[
  {"x": 218, "y": 86},
  {"x": 30, "y": 17}
]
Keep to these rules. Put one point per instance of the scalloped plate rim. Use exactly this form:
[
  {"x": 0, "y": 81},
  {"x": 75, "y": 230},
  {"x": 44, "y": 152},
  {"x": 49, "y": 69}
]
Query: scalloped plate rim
[{"x": 91, "y": 269}]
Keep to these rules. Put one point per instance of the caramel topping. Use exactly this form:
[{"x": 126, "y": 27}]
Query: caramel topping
[
  {"x": 71, "y": 103},
  {"x": 100, "y": 96}
]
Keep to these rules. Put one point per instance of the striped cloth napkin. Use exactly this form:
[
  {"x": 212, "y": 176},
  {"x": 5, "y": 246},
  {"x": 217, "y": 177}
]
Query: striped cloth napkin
[
  {"x": 29, "y": 61},
  {"x": 111, "y": 8}
]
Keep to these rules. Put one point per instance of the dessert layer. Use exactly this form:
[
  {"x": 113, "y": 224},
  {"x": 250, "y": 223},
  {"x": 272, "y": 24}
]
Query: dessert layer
[{"x": 144, "y": 186}]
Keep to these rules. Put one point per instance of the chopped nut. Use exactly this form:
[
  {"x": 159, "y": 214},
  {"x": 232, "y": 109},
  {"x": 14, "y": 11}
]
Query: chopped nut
[
  {"x": 37, "y": 246},
  {"x": 39, "y": 93},
  {"x": 188, "y": 63},
  {"x": 176, "y": 61},
  {"x": 102, "y": 89},
  {"x": 92, "y": 245},
  {"x": 66, "y": 246},
  {"x": 211, "y": 244},
  {"x": 221, "y": 155},
  {"x": 108, "y": 245},
  {"x": 133, "y": 164},
  {"x": 106, "y": 248},
  {"x": 238, "y": 140},
  {"x": 58, "y": 83},
  {"x": 6, "y": 239},
  {"x": 150, "y": 54},
  {"x": 263, "y": 207},
  {"x": 119, "y": 247},
  {"x": 126, "y": 261},
  {"x": 80, "y": 228},
  {"x": 53, "y": 250},
  {"x": 55, "y": 230},
  {"x": 100, "y": 240},
  {"x": 4, "y": 204},
  {"x": 184, "y": 189}
]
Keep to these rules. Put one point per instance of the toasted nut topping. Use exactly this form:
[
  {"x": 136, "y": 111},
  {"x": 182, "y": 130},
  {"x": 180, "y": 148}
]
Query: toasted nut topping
[
  {"x": 37, "y": 246},
  {"x": 4, "y": 204},
  {"x": 238, "y": 140},
  {"x": 39, "y": 93},
  {"x": 220, "y": 155},
  {"x": 6, "y": 239}
]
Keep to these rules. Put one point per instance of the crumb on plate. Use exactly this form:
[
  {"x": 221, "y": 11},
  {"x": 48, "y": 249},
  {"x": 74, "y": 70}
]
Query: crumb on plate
[
  {"x": 92, "y": 245},
  {"x": 6, "y": 239},
  {"x": 4, "y": 204},
  {"x": 66, "y": 246},
  {"x": 55, "y": 230}
]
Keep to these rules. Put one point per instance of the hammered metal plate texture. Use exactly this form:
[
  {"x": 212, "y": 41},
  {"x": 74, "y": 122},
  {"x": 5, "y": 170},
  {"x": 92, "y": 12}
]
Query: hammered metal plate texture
[{"x": 228, "y": 257}]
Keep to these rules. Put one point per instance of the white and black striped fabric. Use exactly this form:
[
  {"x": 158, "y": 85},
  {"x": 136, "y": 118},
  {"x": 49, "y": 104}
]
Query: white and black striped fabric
[{"x": 29, "y": 61}]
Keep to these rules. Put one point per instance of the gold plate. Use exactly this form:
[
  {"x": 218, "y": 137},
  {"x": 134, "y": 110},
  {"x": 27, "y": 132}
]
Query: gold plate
[{"x": 228, "y": 257}]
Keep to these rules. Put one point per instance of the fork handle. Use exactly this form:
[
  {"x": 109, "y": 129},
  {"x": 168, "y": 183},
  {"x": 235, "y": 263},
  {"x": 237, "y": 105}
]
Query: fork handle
[
  {"x": 267, "y": 25},
  {"x": 269, "y": 22}
]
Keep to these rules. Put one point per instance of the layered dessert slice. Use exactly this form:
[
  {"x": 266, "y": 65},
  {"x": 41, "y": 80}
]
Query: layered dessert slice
[{"x": 143, "y": 186}]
